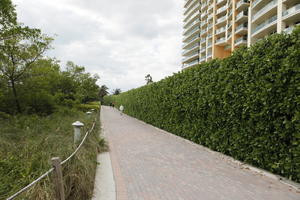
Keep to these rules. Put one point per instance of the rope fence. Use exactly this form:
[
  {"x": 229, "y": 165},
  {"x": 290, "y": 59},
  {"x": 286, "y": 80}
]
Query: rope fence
[{"x": 57, "y": 168}]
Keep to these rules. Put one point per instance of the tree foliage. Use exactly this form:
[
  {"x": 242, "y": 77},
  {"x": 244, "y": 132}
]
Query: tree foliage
[
  {"x": 31, "y": 83},
  {"x": 103, "y": 91},
  {"x": 148, "y": 79},
  {"x": 117, "y": 91},
  {"x": 246, "y": 106}
]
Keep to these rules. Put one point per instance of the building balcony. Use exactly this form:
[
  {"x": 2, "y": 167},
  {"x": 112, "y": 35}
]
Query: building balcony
[
  {"x": 295, "y": 10},
  {"x": 241, "y": 41},
  {"x": 190, "y": 57},
  {"x": 221, "y": 20},
  {"x": 192, "y": 11},
  {"x": 221, "y": 41},
  {"x": 209, "y": 55},
  {"x": 203, "y": 23},
  {"x": 188, "y": 3},
  {"x": 209, "y": 45},
  {"x": 222, "y": 10},
  {"x": 242, "y": 4},
  {"x": 191, "y": 49},
  {"x": 192, "y": 18},
  {"x": 221, "y": 30},
  {"x": 220, "y": 2},
  {"x": 289, "y": 29},
  {"x": 191, "y": 25},
  {"x": 190, "y": 64},
  {"x": 204, "y": 6},
  {"x": 266, "y": 9},
  {"x": 203, "y": 59},
  {"x": 229, "y": 35},
  {"x": 203, "y": 40},
  {"x": 202, "y": 50},
  {"x": 242, "y": 29},
  {"x": 256, "y": 3},
  {"x": 209, "y": 26},
  {"x": 190, "y": 42},
  {"x": 242, "y": 16},
  {"x": 191, "y": 33},
  {"x": 227, "y": 48},
  {"x": 204, "y": 14},
  {"x": 265, "y": 25}
]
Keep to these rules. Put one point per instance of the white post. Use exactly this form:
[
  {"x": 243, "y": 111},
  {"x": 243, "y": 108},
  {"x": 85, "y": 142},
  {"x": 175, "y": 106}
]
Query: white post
[
  {"x": 89, "y": 114},
  {"x": 77, "y": 126}
]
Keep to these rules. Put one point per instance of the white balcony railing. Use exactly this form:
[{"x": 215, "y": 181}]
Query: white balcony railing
[
  {"x": 220, "y": 30},
  {"x": 202, "y": 59},
  {"x": 191, "y": 63},
  {"x": 190, "y": 48},
  {"x": 265, "y": 9},
  {"x": 221, "y": 19},
  {"x": 291, "y": 10},
  {"x": 241, "y": 2},
  {"x": 191, "y": 17},
  {"x": 220, "y": 40},
  {"x": 219, "y": 1},
  {"x": 194, "y": 38},
  {"x": 264, "y": 24},
  {"x": 241, "y": 40},
  {"x": 190, "y": 25},
  {"x": 221, "y": 9},
  {"x": 242, "y": 14},
  {"x": 255, "y": 2},
  {"x": 241, "y": 27},
  {"x": 192, "y": 9},
  {"x": 190, "y": 56}
]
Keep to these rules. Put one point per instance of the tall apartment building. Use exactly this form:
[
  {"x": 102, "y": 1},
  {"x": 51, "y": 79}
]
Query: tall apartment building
[{"x": 215, "y": 28}]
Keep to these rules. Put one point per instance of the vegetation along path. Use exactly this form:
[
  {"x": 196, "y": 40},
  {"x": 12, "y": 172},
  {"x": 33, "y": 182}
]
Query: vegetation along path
[{"x": 149, "y": 163}]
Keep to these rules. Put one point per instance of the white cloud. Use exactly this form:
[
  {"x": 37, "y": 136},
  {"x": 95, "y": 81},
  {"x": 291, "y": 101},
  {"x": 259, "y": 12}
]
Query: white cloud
[{"x": 121, "y": 40}]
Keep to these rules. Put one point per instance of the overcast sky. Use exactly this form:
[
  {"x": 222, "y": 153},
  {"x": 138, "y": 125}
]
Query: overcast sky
[{"x": 121, "y": 40}]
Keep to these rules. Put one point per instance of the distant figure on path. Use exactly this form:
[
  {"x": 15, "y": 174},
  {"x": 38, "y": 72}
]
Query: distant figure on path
[{"x": 121, "y": 109}]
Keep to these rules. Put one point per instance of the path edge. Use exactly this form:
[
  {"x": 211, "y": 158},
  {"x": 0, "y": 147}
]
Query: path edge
[{"x": 289, "y": 183}]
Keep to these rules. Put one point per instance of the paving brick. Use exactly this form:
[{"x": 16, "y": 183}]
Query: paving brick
[{"x": 149, "y": 164}]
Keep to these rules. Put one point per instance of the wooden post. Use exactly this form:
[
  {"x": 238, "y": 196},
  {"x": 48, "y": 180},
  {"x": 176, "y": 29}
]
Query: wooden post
[{"x": 58, "y": 180}]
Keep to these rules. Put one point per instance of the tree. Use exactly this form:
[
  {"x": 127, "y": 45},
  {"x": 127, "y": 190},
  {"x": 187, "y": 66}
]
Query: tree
[
  {"x": 117, "y": 91},
  {"x": 148, "y": 79},
  {"x": 9, "y": 27},
  {"x": 8, "y": 15},
  {"x": 103, "y": 92},
  {"x": 17, "y": 55}
]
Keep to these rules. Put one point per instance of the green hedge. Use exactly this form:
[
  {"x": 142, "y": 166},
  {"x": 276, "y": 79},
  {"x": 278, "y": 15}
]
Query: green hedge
[{"x": 246, "y": 106}]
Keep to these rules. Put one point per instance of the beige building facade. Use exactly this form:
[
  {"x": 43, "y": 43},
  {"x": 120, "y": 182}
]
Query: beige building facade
[{"x": 215, "y": 28}]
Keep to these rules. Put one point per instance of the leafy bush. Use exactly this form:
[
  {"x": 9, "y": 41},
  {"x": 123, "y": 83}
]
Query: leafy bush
[
  {"x": 89, "y": 106},
  {"x": 246, "y": 106}
]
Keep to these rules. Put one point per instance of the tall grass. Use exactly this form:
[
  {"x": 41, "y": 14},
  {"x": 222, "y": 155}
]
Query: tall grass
[{"x": 27, "y": 143}]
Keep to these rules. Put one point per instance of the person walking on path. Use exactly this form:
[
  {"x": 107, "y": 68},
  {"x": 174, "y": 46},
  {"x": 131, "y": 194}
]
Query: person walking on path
[{"x": 121, "y": 109}]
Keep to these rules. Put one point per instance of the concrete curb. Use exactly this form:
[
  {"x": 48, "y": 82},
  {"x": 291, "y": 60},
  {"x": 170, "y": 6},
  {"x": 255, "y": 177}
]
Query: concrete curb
[
  {"x": 105, "y": 185},
  {"x": 242, "y": 165}
]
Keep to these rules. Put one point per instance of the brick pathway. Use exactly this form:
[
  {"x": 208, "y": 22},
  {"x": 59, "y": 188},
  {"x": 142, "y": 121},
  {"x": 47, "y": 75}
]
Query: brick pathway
[{"x": 149, "y": 164}]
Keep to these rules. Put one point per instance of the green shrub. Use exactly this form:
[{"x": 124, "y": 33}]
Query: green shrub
[
  {"x": 246, "y": 106},
  {"x": 88, "y": 106}
]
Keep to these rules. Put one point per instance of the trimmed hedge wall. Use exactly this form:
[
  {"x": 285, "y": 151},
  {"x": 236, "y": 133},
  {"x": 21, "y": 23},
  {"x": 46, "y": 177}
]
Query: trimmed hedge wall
[{"x": 246, "y": 106}]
